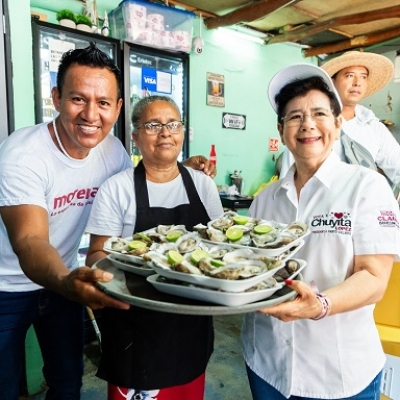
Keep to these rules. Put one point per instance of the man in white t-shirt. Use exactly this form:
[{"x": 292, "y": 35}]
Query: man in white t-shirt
[
  {"x": 49, "y": 176},
  {"x": 357, "y": 75}
]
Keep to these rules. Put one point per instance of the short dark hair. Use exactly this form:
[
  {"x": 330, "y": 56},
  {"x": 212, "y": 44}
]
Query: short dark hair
[
  {"x": 144, "y": 102},
  {"x": 299, "y": 88},
  {"x": 90, "y": 56}
]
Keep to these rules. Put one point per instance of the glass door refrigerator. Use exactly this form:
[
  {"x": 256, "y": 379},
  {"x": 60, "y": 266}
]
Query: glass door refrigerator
[
  {"x": 149, "y": 71},
  {"x": 49, "y": 43}
]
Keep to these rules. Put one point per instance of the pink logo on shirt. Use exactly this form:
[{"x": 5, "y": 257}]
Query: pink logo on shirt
[
  {"x": 388, "y": 219},
  {"x": 333, "y": 222}
]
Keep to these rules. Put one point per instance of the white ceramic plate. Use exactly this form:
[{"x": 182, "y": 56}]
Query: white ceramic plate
[
  {"x": 239, "y": 285},
  {"x": 126, "y": 265},
  {"x": 210, "y": 295},
  {"x": 216, "y": 296},
  {"x": 150, "y": 298}
]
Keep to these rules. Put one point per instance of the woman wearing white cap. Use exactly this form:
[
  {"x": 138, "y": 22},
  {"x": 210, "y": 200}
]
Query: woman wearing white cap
[
  {"x": 324, "y": 344},
  {"x": 357, "y": 75}
]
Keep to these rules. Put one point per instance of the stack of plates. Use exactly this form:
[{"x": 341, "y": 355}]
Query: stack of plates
[{"x": 250, "y": 287}]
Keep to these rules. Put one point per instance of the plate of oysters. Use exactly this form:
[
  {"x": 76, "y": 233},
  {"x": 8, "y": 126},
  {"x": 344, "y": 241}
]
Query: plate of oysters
[
  {"x": 259, "y": 291},
  {"x": 270, "y": 238},
  {"x": 128, "y": 253},
  {"x": 220, "y": 266}
]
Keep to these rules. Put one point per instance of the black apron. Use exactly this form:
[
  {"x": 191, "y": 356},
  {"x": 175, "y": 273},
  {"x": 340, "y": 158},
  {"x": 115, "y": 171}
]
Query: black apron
[{"x": 145, "y": 349}]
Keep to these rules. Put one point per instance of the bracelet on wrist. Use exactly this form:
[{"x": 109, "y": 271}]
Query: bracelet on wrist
[{"x": 326, "y": 306}]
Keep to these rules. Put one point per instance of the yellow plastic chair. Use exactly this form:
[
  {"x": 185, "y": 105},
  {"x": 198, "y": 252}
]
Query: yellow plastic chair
[{"x": 387, "y": 319}]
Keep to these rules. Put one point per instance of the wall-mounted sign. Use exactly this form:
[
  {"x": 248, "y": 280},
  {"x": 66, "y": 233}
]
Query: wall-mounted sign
[
  {"x": 273, "y": 145},
  {"x": 233, "y": 121},
  {"x": 215, "y": 90}
]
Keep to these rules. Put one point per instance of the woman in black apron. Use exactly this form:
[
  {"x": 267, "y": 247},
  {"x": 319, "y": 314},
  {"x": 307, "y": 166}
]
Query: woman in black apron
[{"x": 156, "y": 354}]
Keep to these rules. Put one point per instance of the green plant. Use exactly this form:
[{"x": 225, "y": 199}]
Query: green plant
[
  {"x": 83, "y": 19},
  {"x": 65, "y": 14}
]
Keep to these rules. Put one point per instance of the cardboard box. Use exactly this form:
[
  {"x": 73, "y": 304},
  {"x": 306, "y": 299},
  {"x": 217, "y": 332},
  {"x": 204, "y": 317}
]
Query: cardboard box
[{"x": 152, "y": 25}]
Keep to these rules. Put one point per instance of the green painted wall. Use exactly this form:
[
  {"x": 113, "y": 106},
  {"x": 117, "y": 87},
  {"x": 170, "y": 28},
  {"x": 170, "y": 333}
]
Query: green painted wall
[
  {"x": 22, "y": 64},
  {"x": 247, "y": 68}
]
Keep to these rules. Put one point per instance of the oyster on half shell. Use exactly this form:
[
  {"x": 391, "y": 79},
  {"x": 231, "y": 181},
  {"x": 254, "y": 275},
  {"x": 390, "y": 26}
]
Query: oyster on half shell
[
  {"x": 188, "y": 242},
  {"x": 240, "y": 270},
  {"x": 118, "y": 244}
]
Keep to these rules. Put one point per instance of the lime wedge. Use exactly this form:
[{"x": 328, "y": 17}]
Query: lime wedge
[
  {"x": 173, "y": 236},
  {"x": 174, "y": 257},
  {"x": 234, "y": 233},
  {"x": 240, "y": 220},
  {"x": 197, "y": 255},
  {"x": 136, "y": 244},
  {"x": 141, "y": 236},
  {"x": 261, "y": 229},
  {"x": 217, "y": 263}
]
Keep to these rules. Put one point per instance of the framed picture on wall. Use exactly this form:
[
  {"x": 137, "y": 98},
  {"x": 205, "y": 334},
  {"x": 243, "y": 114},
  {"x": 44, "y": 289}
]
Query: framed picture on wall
[{"x": 215, "y": 90}]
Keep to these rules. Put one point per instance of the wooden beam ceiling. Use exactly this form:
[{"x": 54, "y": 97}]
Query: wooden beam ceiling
[
  {"x": 360, "y": 18},
  {"x": 321, "y": 34},
  {"x": 359, "y": 41},
  {"x": 197, "y": 11},
  {"x": 248, "y": 13}
]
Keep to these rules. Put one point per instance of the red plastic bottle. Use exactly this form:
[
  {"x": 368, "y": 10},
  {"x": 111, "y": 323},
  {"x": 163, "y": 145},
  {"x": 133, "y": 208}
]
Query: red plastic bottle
[{"x": 213, "y": 155}]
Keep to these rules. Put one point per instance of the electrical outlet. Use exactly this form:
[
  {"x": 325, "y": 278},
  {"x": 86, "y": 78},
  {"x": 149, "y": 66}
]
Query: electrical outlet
[
  {"x": 191, "y": 134},
  {"x": 386, "y": 382}
]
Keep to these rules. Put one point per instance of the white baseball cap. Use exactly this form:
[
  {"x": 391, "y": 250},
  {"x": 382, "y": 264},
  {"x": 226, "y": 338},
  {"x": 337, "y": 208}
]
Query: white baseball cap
[{"x": 294, "y": 72}]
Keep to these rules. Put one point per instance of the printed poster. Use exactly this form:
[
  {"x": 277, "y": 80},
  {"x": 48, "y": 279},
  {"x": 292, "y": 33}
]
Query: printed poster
[{"x": 215, "y": 90}]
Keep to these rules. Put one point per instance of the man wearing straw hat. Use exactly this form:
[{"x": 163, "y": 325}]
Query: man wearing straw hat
[{"x": 357, "y": 75}]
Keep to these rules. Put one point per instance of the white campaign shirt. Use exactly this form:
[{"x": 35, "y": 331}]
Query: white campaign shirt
[
  {"x": 366, "y": 130},
  {"x": 350, "y": 211},
  {"x": 114, "y": 210},
  {"x": 33, "y": 171}
]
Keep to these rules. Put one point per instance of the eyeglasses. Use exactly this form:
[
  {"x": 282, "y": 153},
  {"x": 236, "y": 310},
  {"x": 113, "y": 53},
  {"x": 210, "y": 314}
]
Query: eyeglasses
[
  {"x": 319, "y": 116},
  {"x": 155, "y": 128}
]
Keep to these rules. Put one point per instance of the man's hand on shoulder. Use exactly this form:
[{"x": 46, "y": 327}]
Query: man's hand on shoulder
[{"x": 201, "y": 163}]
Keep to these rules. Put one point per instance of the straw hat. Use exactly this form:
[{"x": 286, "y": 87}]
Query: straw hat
[{"x": 380, "y": 68}]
